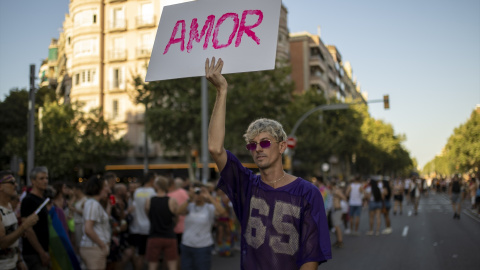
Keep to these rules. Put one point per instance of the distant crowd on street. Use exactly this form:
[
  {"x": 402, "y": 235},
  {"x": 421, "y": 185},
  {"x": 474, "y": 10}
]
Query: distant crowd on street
[{"x": 382, "y": 196}]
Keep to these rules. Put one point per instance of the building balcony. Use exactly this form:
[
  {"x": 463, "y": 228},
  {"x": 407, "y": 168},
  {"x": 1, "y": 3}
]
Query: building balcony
[
  {"x": 117, "y": 55},
  {"x": 115, "y": 1},
  {"x": 316, "y": 60},
  {"x": 143, "y": 53},
  {"x": 144, "y": 22},
  {"x": 117, "y": 26},
  {"x": 318, "y": 81}
]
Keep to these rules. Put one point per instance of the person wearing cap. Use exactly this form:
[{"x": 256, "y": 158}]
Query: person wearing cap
[{"x": 10, "y": 231}]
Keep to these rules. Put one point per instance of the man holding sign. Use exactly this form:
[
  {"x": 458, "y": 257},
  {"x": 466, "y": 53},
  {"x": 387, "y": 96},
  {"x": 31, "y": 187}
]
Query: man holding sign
[{"x": 283, "y": 219}]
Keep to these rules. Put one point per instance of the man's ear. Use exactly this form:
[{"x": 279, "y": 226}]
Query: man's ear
[{"x": 283, "y": 146}]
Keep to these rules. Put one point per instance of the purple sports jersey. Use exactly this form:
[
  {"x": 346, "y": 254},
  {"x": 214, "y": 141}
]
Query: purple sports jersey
[{"x": 282, "y": 228}]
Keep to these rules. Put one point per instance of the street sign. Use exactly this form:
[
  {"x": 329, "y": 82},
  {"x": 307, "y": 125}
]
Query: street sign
[{"x": 291, "y": 142}]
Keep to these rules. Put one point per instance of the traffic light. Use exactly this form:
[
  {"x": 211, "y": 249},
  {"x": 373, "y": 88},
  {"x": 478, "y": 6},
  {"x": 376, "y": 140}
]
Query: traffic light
[{"x": 386, "y": 102}]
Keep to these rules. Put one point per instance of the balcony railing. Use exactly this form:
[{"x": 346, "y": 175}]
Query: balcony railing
[
  {"x": 143, "y": 52},
  {"x": 117, "y": 25},
  {"x": 145, "y": 21},
  {"x": 117, "y": 55}
]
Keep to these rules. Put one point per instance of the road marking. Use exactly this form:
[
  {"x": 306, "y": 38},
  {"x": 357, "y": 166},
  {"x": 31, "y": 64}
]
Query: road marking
[
  {"x": 410, "y": 213},
  {"x": 405, "y": 231},
  {"x": 470, "y": 215}
]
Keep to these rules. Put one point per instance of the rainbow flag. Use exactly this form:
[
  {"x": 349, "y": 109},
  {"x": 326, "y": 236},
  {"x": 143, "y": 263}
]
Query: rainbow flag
[{"x": 62, "y": 255}]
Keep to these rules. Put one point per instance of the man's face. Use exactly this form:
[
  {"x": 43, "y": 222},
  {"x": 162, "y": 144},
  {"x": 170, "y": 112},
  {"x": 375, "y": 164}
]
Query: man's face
[
  {"x": 41, "y": 181},
  {"x": 266, "y": 157}
]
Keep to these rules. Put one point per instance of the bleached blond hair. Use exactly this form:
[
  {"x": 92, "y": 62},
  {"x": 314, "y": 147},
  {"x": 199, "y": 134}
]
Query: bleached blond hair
[{"x": 270, "y": 126}]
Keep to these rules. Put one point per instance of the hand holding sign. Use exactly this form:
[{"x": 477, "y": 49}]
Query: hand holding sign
[
  {"x": 243, "y": 33},
  {"x": 213, "y": 73}
]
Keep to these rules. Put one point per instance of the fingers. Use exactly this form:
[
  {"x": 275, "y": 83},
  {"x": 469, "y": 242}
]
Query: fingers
[{"x": 214, "y": 66}]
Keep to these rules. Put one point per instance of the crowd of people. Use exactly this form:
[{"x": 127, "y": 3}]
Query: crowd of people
[
  {"x": 162, "y": 223},
  {"x": 381, "y": 196}
]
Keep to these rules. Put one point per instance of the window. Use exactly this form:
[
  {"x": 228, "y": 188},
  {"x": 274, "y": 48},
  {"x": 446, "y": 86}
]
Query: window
[
  {"x": 118, "y": 18},
  {"x": 117, "y": 78},
  {"x": 145, "y": 43},
  {"x": 85, "y": 47},
  {"x": 115, "y": 108},
  {"x": 118, "y": 47},
  {"x": 85, "y": 77},
  {"x": 146, "y": 14},
  {"x": 84, "y": 17},
  {"x": 69, "y": 40}
]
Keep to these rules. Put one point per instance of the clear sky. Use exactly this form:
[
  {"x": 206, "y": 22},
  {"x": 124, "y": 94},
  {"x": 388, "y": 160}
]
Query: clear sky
[{"x": 425, "y": 54}]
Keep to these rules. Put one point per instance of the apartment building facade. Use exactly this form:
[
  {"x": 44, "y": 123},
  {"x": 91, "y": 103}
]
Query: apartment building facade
[
  {"x": 103, "y": 46},
  {"x": 319, "y": 67}
]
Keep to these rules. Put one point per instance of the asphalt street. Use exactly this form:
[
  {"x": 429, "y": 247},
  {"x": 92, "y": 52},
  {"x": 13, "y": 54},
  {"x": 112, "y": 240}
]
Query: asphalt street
[{"x": 431, "y": 240}]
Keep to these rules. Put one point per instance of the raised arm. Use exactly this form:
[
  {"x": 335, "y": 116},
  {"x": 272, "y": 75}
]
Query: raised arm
[{"x": 216, "y": 129}]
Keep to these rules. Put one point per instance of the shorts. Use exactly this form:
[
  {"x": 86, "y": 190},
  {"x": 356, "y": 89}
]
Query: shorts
[
  {"x": 94, "y": 257},
  {"x": 455, "y": 197},
  {"x": 374, "y": 206},
  {"x": 337, "y": 218},
  {"x": 355, "y": 210},
  {"x": 139, "y": 241},
  {"x": 387, "y": 205},
  {"x": 398, "y": 198},
  {"x": 156, "y": 246}
]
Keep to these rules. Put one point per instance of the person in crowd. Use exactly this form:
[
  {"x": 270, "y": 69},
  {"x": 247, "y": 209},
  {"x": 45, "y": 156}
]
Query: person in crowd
[
  {"x": 118, "y": 221},
  {"x": 35, "y": 248},
  {"x": 10, "y": 231},
  {"x": 472, "y": 190},
  {"x": 374, "y": 194},
  {"x": 398, "y": 196},
  {"x": 162, "y": 240},
  {"x": 177, "y": 192},
  {"x": 338, "y": 196},
  {"x": 355, "y": 200},
  {"x": 415, "y": 192},
  {"x": 273, "y": 191},
  {"x": 62, "y": 253},
  {"x": 387, "y": 205},
  {"x": 455, "y": 190},
  {"x": 140, "y": 226},
  {"x": 58, "y": 201},
  {"x": 197, "y": 240},
  {"x": 94, "y": 246},
  {"x": 76, "y": 208},
  {"x": 224, "y": 225},
  {"x": 407, "y": 187}
]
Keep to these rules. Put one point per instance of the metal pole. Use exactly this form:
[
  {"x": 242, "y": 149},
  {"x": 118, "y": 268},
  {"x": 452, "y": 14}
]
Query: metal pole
[
  {"x": 205, "y": 159},
  {"x": 145, "y": 142},
  {"x": 31, "y": 125}
]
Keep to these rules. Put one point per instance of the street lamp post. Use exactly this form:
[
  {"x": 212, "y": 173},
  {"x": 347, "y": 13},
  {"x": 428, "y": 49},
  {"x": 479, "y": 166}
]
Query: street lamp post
[{"x": 328, "y": 107}]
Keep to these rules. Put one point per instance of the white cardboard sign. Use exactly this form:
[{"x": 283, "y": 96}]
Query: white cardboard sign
[{"x": 243, "y": 33}]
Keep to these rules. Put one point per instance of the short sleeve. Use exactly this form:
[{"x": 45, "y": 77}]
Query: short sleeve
[
  {"x": 92, "y": 211},
  {"x": 236, "y": 182}
]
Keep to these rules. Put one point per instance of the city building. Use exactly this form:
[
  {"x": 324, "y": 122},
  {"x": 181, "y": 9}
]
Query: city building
[
  {"x": 316, "y": 66},
  {"x": 104, "y": 45}
]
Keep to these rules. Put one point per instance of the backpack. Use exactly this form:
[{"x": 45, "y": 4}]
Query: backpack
[{"x": 456, "y": 186}]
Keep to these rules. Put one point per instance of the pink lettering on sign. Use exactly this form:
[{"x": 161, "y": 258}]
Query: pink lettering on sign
[
  {"x": 207, "y": 27},
  {"x": 225, "y": 16},
  {"x": 248, "y": 29},
  {"x": 174, "y": 40},
  {"x": 239, "y": 28}
]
